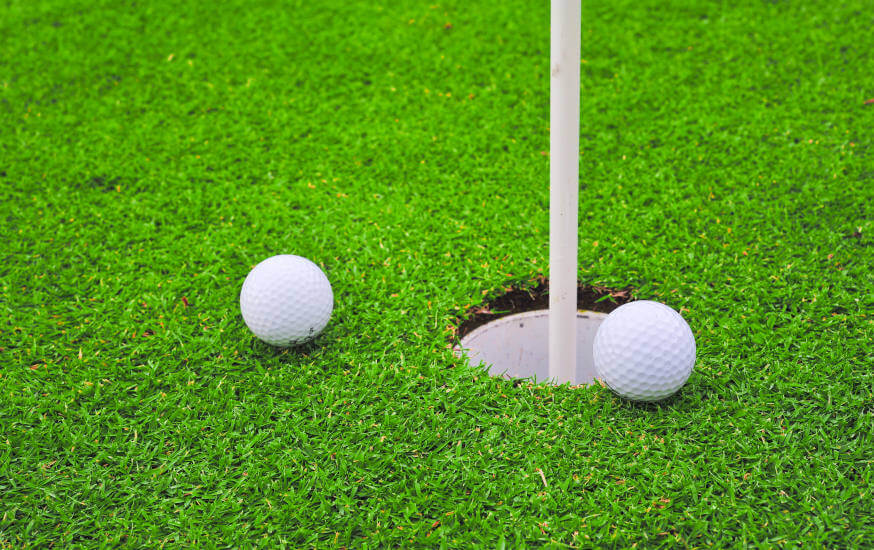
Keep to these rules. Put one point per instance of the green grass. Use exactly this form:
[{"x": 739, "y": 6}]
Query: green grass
[{"x": 151, "y": 153}]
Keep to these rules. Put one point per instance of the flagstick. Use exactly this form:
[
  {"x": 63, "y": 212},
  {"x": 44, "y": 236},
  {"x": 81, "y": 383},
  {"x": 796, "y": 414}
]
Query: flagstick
[{"x": 564, "y": 143}]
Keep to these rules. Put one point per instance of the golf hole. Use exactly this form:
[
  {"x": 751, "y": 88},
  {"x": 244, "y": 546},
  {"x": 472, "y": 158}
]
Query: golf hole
[{"x": 509, "y": 333}]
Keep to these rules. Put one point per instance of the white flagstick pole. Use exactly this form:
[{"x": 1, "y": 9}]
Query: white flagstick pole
[{"x": 564, "y": 168}]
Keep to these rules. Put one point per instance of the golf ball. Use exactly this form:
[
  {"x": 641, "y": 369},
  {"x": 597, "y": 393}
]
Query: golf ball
[
  {"x": 644, "y": 351},
  {"x": 286, "y": 300}
]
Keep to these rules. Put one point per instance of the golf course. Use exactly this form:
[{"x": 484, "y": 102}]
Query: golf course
[{"x": 152, "y": 153}]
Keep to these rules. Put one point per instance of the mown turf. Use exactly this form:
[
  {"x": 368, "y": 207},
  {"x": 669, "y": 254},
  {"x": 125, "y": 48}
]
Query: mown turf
[{"x": 151, "y": 153}]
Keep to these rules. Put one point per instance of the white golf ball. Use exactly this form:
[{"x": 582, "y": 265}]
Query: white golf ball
[
  {"x": 286, "y": 300},
  {"x": 644, "y": 351}
]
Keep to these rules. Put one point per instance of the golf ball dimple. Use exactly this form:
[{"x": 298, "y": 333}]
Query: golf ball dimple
[
  {"x": 286, "y": 300},
  {"x": 644, "y": 351}
]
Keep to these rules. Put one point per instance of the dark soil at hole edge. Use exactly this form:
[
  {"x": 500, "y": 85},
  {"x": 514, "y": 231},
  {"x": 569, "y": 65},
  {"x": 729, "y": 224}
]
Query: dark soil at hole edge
[{"x": 534, "y": 295}]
